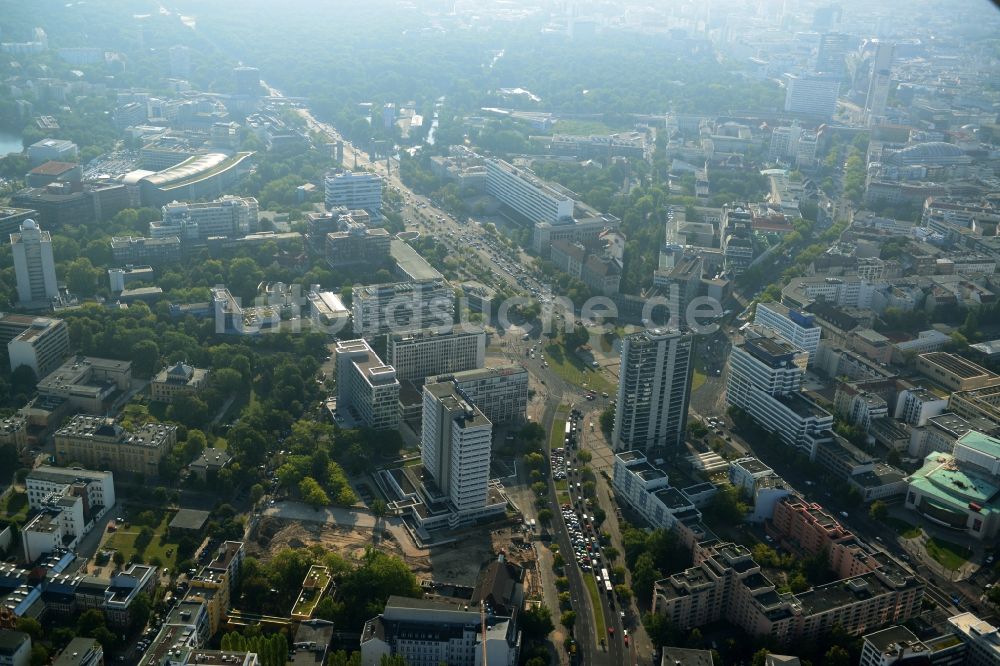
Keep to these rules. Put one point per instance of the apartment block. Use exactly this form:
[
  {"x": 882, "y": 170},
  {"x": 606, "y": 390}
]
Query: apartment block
[
  {"x": 647, "y": 490},
  {"x": 654, "y": 390},
  {"x": 430, "y": 352},
  {"x": 100, "y": 443},
  {"x": 367, "y": 389},
  {"x": 981, "y": 638},
  {"x": 41, "y": 343},
  {"x": 726, "y": 584}
]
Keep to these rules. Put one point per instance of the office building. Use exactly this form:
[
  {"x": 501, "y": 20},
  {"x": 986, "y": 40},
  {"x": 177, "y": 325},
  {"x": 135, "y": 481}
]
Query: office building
[
  {"x": 100, "y": 443},
  {"x": 878, "y": 84},
  {"x": 119, "y": 278},
  {"x": 959, "y": 489},
  {"x": 180, "y": 61},
  {"x": 247, "y": 81},
  {"x": 832, "y": 53},
  {"x": 402, "y": 307},
  {"x": 500, "y": 393},
  {"x": 893, "y": 645},
  {"x": 811, "y": 95},
  {"x": 793, "y": 144},
  {"x": 51, "y": 150},
  {"x": 796, "y": 328},
  {"x": 433, "y": 352},
  {"x": 654, "y": 390},
  {"x": 98, "y": 488},
  {"x": 455, "y": 444},
  {"x": 765, "y": 375},
  {"x": 356, "y": 243},
  {"x": 15, "y": 648},
  {"x": 427, "y": 633},
  {"x": 981, "y": 638},
  {"x": 34, "y": 267},
  {"x": 178, "y": 379},
  {"x": 136, "y": 249},
  {"x": 525, "y": 193},
  {"x": 354, "y": 190},
  {"x": 367, "y": 389},
  {"x": 87, "y": 383},
  {"x": 12, "y": 218},
  {"x": 41, "y": 343},
  {"x": 228, "y": 216}
]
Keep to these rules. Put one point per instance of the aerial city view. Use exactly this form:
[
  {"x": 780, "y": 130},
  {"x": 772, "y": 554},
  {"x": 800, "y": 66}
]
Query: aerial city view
[{"x": 499, "y": 333}]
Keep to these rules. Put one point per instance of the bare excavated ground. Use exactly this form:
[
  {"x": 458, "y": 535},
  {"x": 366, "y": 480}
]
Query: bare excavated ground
[{"x": 457, "y": 563}]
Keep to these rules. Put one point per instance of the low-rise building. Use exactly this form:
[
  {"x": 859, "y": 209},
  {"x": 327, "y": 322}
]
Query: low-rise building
[
  {"x": 960, "y": 490},
  {"x": 87, "y": 383},
  {"x": 137, "y": 249},
  {"x": 211, "y": 461},
  {"x": 15, "y": 648},
  {"x": 427, "y": 633},
  {"x": 954, "y": 372},
  {"x": 81, "y": 651},
  {"x": 178, "y": 379},
  {"x": 101, "y": 443},
  {"x": 981, "y": 638}
]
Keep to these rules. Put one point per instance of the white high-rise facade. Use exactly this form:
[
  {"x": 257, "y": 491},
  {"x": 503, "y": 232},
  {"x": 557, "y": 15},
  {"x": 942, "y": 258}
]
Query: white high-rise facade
[
  {"x": 229, "y": 216},
  {"x": 455, "y": 444},
  {"x": 654, "y": 390},
  {"x": 878, "y": 85},
  {"x": 432, "y": 352},
  {"x": 34, "y": 267},
  {"x": 815, "y": 95},
  {"x": 354, "y": 190},
  {"x": 367, "y": 389},
  {"x": 796, "y": 328}
]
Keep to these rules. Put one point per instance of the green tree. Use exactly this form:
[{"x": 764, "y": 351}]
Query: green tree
[
  {"x": 837, "y": 656},
  {"x": 81, "y": 277},
  {"x": 256, "y": 493},
  {"x": 536, "y": 622},
  {"x": 30, "y": 626},
  {"x": 568, "y": 619},
  {"x": 312, "y": 493},
  {"x": 878, "y": 511}
]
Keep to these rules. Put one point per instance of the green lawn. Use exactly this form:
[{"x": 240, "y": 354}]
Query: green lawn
[
  {"x": 572, "y": 369},
  {"x": 595, "y": 600},
  {"x": 905, "y": 529},
  {"x": 124, "y": 541},
  {"x": 947, "y": 554},
  {"x": 558, "y": 435},
  {"x": 562, "y": 484},
  {"x": 697, "y": 380},
  {"x": 14, "y": 506},
  {"x": 581, "y": 127}
]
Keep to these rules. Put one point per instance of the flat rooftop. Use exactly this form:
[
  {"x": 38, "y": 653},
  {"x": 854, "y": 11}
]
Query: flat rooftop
[
  {"x": 752, "y": 465},
  {"x": 956, "y": 365}
]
